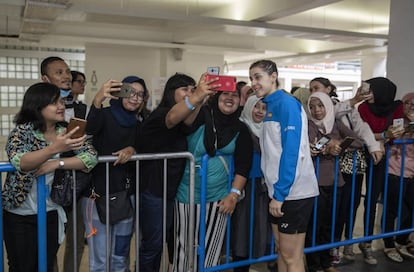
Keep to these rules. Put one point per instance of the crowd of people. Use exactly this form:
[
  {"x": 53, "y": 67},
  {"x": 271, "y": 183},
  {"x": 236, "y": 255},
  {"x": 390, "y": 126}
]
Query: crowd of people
[{"x": 270, "y": 134}]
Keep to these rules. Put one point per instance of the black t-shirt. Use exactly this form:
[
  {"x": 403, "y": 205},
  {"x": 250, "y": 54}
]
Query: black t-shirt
[{"x": 157, "y": 138}]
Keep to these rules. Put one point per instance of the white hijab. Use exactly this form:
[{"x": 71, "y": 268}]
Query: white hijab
[
  {"x": 246, "y": 115},
  {"x": 326, "y": 124}
]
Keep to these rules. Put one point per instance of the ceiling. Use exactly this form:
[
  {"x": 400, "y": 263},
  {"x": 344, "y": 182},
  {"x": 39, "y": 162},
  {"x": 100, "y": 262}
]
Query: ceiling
[{"x": 288, "y": 31}]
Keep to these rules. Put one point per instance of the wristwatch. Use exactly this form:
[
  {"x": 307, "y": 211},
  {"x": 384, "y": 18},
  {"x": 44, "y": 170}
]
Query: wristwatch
[{"x": 61, "y": 164}]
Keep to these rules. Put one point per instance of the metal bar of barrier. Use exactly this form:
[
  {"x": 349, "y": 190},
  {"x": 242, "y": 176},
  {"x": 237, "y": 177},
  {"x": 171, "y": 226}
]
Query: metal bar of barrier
[
  {"x": 315, "y": 205},
  {"x": 315, "y": 247},
  {"x": 352, "y": 202},
  {"x": 7, "y": 167},
  {"x": 137, "y": 221},
  {"x": 230, "y": 179},
  {"x": 107, "y": 226},
  {"x": 164, "y": 214},
  {"x": 400, "y": 195},
  {"x": 42, "y": 191},
  {"x": 334, "y": 199},
  {"x": 385, "y": 194},
  {"x": 203, "y": 201},
  {"x": 150, "y": 156},
  {"x": 368, "y": 197},
  {"x": 75, "y": 223},
  {"x": 4, "y": 167}
]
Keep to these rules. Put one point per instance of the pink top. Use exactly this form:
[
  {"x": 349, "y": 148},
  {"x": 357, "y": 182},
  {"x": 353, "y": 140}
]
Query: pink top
[{"x": 394, "y": 165}]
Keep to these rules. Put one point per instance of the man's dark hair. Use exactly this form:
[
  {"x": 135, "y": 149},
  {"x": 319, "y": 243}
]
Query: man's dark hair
[{"x": 45, "y": 63}]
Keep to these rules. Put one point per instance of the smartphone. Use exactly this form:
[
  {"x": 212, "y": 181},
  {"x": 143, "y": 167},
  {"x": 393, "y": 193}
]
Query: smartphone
[
  {"x": 321, "y": 143},
  {"x": 213, "y": 70},
  {"x": 365, "y": 87},
  {"x": 398, "y": 123},
  {"x": 125, "y": 91},
  {"x": 346, "y": 143},
  {"x": 228, "y": 83},
  {"x": 73, "y": 123}
]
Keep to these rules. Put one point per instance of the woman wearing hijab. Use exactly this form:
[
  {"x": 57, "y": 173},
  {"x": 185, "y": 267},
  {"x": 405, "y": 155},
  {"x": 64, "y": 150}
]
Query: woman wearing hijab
[
  {"x": 322, "y": 122},
  {"x": 114, "y": 130},
  {"x": 379, "y": 112},
  {"x": 165, "y": 130},
  {"x": 252, "y": 115},
  {"x": 216, "y": 129}
]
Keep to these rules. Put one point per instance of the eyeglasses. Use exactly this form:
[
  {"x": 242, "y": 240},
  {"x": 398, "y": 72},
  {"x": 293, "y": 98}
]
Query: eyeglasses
[
  {"x": 409, "y": 105},
  {"x": 80, "y": 81},
  {"x": 137, "y": 94}
]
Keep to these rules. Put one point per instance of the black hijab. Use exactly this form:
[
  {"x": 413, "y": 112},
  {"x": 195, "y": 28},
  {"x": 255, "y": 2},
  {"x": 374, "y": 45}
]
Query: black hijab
[
  {"x": 384, "y": 91},
  {"x": 219, "y": 126}
]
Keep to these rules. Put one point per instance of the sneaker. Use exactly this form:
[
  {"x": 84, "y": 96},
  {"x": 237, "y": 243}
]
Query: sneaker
[
  {"x": 336, "y": 258},
  {"x": 393, "y": 254},
  {"x": 272, "y": 266},
  {"x": 349, "y": 252},
  {"x": 410, "y": 247},
  {"x": 403, "y": 250},
  {"x": 367, "y": 252}
]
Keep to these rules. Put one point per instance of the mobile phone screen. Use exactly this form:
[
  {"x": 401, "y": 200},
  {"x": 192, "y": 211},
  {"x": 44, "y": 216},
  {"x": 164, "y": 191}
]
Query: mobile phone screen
[
  {"x": 213, "y": 70},
  {"x": 321, "y": 143},
  {"x": 398, "y": 123},
  {"x": 365, "y": 87}
]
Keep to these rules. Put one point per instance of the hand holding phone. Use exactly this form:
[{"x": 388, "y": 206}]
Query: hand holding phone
[
  {"x": 76, "y": 122},
  {"x": 346, "y": 143},
  {"x": 228, "y": 83},
  {"x": 398, "y": 124},
  {"x": 125, "y": 91},
  {"x": 365, "y": 87},
  {"x": 321, "y": 143}
]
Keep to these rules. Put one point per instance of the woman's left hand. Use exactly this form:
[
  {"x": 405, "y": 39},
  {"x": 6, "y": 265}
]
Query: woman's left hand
[
  {"x": 46, "y": 167},
  {"x": 124, "y": 155},
  {"x": 228, "y": 204}
]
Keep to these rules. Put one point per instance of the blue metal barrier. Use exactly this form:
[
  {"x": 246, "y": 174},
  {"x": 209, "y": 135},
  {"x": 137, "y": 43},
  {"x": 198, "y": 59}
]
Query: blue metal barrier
[
  {"x": 314, "y": 247},
  {"x": 256, "y": 173},
  {"x": 42, "y": 192}
]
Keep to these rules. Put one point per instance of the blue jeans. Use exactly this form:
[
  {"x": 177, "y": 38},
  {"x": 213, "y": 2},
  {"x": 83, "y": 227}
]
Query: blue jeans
[
  {"x": 120, "y": 235},
  {"x": 151, "y": 220}
]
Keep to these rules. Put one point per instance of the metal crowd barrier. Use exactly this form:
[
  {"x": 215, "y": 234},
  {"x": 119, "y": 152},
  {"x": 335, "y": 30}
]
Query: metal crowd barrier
[
  {"x": 255, "y": 173},
  {"x": 43, "y": 192}
]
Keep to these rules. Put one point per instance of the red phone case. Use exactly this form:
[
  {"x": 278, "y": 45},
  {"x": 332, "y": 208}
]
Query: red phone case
[{"x": 228, "y": 83}]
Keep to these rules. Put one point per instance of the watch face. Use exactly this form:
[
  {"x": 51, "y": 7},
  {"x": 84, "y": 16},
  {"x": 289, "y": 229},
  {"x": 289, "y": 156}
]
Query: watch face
[{"x": 61, "y": 163}]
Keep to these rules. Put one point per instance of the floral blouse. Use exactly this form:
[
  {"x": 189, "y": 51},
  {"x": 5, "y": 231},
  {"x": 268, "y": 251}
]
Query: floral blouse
[{"x": 23, "y": 139}]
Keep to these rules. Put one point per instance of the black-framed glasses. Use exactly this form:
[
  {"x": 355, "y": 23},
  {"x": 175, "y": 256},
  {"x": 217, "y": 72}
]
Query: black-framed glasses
[
  {"x": 137, "y": 94},
  {"x": 80, "y": 81}
]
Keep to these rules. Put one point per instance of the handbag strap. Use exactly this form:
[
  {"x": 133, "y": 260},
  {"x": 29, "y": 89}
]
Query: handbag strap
[{"x": 349, "y": 121}]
